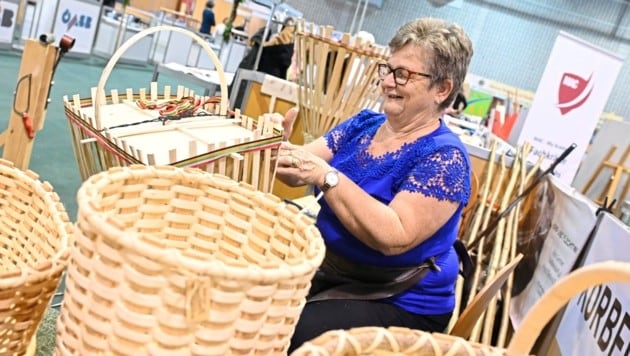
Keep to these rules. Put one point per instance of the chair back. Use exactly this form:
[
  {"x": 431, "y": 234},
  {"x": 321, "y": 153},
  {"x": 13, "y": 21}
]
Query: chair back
[{"x": 468, "y": 318}]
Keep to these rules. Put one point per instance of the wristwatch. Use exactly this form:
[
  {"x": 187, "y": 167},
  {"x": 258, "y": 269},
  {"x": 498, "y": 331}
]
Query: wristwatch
[{"x": 331, "y": 179}]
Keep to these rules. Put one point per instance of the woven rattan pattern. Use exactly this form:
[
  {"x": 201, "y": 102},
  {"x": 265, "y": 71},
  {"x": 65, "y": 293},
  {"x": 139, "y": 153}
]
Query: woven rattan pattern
[
  {"x": 34, "y": 237},
  {"x": 391, "y": 341},
  {"x": 179, "y": 261}
]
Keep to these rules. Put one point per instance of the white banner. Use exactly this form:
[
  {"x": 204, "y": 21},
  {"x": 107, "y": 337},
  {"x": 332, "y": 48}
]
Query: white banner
[
  {"x": 78, "y": 19},
  {"x": 553, "y": 234},
  {"x": 597, "y": 322},
  {"x": 8, "y": 14},
  {"x": 570, "y": 98}
]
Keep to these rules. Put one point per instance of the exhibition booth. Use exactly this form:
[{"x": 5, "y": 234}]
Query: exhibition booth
[{"x": 186, "y": 241}]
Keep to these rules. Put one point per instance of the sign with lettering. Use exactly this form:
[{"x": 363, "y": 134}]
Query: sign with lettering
[
  {"x": 8, "y": 13},
  {"x": 555, "y": 228},
  {"x": 571, "y": 96},
  {"x": 597, "y": 322},
  {"x": 78, "y": 19}
]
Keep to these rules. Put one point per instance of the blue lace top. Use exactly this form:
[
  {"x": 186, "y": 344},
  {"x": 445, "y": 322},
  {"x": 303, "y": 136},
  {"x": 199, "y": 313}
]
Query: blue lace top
[{"x": 436, "y": 165}]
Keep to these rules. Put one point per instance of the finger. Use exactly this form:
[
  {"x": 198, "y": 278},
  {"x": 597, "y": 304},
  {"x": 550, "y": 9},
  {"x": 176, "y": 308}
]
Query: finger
[{"x": 289, "y": 120}]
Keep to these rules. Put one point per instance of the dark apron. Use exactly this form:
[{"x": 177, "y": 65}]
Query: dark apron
[{"x": 338, "y": 278}]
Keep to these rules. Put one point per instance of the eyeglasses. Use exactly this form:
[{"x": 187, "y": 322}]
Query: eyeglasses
[{"x": 401, "y": 75}]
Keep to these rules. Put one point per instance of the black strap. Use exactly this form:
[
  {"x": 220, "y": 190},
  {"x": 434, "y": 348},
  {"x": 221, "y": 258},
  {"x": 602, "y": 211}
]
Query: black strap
[{"x": 468, "y": 267}]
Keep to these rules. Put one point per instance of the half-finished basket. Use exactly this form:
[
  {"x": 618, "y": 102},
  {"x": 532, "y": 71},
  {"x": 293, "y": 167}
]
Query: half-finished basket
[
  {"x": 390, "y": 341},
  {"x": 170, "y": 128},
  {"x": 35, "y": 234},
  {"x": 172, "y": 261}
]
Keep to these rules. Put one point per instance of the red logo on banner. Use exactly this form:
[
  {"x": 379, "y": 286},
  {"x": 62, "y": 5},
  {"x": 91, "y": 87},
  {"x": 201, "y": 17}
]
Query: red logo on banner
[{"x": 573, "y": 92}]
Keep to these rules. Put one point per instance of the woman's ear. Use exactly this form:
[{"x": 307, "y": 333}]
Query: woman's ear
[{"x": 444, "y": 89}]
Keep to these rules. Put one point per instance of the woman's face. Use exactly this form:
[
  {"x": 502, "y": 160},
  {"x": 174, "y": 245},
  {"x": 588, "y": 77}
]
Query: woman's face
[{"x": 414, "y": 97}]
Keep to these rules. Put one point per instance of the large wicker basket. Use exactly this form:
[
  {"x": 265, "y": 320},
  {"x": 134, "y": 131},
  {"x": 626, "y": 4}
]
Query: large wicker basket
[
  {"x": 173, "y": 261},
  {"x": 34, "y": 233},
  {"x": 171, "y": 127}
]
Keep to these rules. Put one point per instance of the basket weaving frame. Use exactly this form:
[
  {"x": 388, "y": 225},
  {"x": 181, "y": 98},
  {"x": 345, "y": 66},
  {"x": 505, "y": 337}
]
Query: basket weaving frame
[{"x": 97, "y": 149}]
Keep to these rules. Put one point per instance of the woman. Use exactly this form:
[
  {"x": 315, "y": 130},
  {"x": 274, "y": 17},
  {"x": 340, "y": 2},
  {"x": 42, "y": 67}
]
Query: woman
[{"x": 394, "y": 185}]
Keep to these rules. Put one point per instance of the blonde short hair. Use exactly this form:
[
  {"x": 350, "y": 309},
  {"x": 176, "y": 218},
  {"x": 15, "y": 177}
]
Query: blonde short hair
[{"x": 448, "y": 46}]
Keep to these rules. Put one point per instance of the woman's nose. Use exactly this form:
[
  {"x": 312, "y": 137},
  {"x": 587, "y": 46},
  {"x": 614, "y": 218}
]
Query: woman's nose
[{"x": 388, "y": 81}]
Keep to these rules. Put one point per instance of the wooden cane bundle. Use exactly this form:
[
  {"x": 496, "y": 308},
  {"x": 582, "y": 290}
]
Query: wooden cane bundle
[
  {"x": 176, "y": 261},
  {"x": 35, "y": 235},
  {"x": 496, "y": 249},
  {"x": 336, "y": 78},
  {"x": 180, "y": 129}
]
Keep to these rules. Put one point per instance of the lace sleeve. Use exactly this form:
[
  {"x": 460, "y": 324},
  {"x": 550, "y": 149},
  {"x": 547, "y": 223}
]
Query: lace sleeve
[{"x": 444, "y": 175}]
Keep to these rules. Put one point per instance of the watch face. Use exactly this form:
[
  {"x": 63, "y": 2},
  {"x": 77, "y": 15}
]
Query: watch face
[{"x": 332, "y": 179}]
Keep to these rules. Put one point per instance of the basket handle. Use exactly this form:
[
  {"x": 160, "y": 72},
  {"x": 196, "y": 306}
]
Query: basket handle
[
  {"x": 558, "y": 295},
  {"x": 100, "y": 89}
]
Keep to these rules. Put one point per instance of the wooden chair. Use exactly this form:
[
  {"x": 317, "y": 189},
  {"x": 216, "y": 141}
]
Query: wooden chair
[
  {"x": 559, "y": 295},
  {"x": 468, "y": 318}
]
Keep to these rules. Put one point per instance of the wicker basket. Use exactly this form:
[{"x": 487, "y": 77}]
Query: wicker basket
[
  {"x": 35, "y": 233},
  {"x": 175, "y": 261},
  {"x": 390, "y": 341},
  {"x": 143, "y": 127}
]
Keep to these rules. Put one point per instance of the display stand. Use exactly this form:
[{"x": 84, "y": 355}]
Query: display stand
[
  {"x": 108, "y": 32},
  {"x": 29, "y": 105},
  {"x": 45, "y": 13},
  {"x": 28, "y": 21},
  {"x": 172, "y": 47},
  {"x": 79, "y": 19},
  {"x": 618, "y": 174},
  {"x": 8, "y": 14}
]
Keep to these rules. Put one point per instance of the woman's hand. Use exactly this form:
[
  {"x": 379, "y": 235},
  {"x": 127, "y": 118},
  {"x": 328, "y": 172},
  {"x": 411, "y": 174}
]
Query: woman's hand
[
  {"x": 297, "y": 166},
  {"x": 286, "y": 121}
]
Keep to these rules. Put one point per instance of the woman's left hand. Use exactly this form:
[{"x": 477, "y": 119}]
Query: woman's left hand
[{"x": 300, "y": 165}]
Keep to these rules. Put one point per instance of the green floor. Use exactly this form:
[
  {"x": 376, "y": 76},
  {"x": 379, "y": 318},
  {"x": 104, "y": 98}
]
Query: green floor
[{"x": 53, "y": 158}]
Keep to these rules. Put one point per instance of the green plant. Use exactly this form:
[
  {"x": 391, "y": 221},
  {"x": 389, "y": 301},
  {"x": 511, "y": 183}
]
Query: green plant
[{"x": 230, "y": 22}]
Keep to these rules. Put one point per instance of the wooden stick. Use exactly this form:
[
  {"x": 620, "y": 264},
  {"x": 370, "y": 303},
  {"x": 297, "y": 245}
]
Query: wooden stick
[
  {"x": 498, "y": 244},
  {"x": 498, "y": 184},
  {"x": 513, "y": 233},
  {"x": 479, "y": 213}
]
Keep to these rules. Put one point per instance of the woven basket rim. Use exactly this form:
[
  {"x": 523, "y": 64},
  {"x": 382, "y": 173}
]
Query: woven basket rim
[
  {"x": 173, "y": 257},
  {"x": 368, "y": 339},
  {"x": 33, "y": 273}
]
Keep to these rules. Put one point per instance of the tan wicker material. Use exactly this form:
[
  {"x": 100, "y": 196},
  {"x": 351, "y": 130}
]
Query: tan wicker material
[
  {"x": 172, "y": 261},
  {"x": 113, "y": 130},
  {"x": 35, "y": 232},
  {"x": 336, "y": 78},
  {"x": 390, "y": 341}
]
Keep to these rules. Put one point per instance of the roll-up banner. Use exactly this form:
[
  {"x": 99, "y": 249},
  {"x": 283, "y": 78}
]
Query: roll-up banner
[{"x": 570, "y": 98}]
